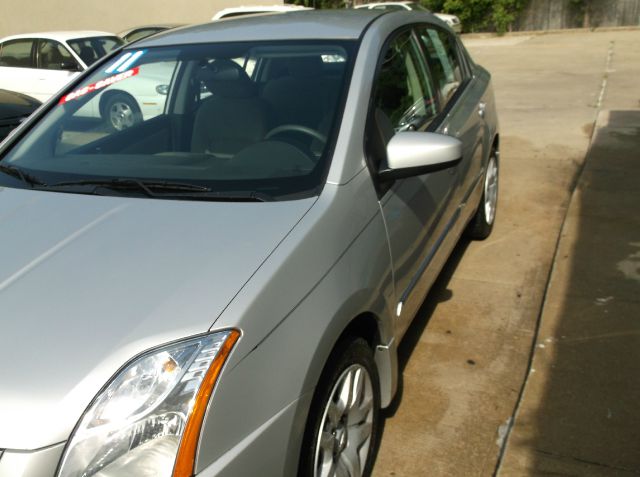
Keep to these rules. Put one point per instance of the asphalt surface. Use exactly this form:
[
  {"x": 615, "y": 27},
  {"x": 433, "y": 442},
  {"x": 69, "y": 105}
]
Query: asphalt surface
[{"x": 524, "y": 359}]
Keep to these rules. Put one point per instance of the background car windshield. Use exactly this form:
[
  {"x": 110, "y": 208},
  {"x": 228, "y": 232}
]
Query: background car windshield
[
  {"x": 232, "y": 117},
  {"x": 92, "y": 49}
]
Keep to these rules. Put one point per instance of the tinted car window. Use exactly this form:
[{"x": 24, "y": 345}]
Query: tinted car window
[
  {"x": 91, "y": 50},
  {"x": 53, "y": 56},
  {"x": 403, "y": 91},
  {"x": 17, "y": 53},
  {"x": 442, "y": 51},
  {"x": 233, "y": 118}
]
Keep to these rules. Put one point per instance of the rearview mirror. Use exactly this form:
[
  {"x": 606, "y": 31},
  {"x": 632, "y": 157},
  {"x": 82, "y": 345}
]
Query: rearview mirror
[{"x": 416, "y": 153}]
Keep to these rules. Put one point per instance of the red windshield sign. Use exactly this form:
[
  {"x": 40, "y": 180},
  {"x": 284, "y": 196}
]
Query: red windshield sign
[{"x": 100, "y": 84}]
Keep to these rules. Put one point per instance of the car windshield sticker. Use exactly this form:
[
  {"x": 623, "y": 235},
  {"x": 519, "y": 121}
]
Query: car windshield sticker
[
  {"x": 118, "y": 62},
  {"x": 99, "y": 85},
  {"x": 125, "y": 62}
]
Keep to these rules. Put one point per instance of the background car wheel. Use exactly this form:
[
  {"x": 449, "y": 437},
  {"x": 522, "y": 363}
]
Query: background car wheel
[
  {"x": 482, "y": 222},
  {"x": 341, "y": 436},
  {"x": 121, "y": 112}
]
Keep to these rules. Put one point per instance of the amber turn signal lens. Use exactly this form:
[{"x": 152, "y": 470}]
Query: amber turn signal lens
[{"x": 186, "y": 458}]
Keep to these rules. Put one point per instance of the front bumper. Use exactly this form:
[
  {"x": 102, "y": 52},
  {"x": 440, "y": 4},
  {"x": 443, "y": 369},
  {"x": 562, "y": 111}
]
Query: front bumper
[
  {"x": 269, "y": 451},
  {"x": 40, "y": 463}
]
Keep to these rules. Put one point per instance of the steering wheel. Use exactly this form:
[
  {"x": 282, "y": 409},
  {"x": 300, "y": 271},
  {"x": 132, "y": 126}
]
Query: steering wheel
[{"x": 297, "y": 128}]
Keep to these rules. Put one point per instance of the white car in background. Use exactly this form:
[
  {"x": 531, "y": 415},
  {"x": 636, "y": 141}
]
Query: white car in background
[
  {"x": 255, "y": 9},
  {"x": 451, "y": 20},
  {"x": 40, "y": 64}
]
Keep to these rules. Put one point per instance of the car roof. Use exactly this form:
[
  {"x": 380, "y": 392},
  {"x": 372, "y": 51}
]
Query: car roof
[
  {"x": 61, "y": 36},
  {"x": 302, "y": 25}
]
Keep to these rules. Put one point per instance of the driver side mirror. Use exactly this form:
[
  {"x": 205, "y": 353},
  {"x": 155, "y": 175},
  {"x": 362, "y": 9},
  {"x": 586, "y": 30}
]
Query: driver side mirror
[{"x": 416, "y": 153}]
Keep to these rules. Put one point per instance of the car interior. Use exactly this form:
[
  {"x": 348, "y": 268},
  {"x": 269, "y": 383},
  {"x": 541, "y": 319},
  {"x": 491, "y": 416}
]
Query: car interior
[{"x": 264, "y": 116}]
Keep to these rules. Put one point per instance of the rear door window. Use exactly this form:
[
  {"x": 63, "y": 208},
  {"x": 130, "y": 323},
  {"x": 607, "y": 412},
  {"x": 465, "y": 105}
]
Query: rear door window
[
  {"x": 442, "y": 53},
  {"x": 17, "y": 53}
]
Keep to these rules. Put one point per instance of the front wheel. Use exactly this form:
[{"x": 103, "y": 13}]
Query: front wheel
[
  {"x": 341, "y": 437},
  {"x": 482, "y": 222},
  {"x": 121, "y": 112}
]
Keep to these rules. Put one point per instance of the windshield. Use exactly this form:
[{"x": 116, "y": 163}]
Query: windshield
[
  {"x": 232, "y": 118},
  {"x": 92, "y": 49}
]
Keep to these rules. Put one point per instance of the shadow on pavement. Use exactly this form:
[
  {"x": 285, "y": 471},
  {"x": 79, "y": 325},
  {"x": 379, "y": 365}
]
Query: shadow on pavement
[{"x": 583, "y": 411}]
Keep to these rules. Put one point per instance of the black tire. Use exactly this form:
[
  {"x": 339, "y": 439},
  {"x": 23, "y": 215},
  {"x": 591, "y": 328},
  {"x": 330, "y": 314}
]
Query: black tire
[
  {"x": 350, "y": 356},
  {"x": 481, "y": 225},
  {"x": 120, "y": 112}
]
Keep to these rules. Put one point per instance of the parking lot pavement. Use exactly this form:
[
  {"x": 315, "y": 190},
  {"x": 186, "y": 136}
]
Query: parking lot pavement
[
  {"x": 467, "y": 356},
  {"x": 579, "y": 414}
]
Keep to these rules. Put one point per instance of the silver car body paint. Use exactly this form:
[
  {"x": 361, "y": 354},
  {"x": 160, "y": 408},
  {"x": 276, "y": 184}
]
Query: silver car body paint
[
  {"x": 407, "y": 149},
  {"x": 39, "y": 463},
  {"x": 116, "y": 276}
]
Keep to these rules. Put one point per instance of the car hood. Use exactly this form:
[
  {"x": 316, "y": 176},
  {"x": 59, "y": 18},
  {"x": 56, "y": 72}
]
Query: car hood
[{"x": 88, "y": 282}]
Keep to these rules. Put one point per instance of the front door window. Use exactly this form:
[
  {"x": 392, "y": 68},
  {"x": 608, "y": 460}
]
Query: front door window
[
  {"x": 53, "y": 56},
  {"x": 17, "y": 53},
  {"x": 403, "y": 91}
]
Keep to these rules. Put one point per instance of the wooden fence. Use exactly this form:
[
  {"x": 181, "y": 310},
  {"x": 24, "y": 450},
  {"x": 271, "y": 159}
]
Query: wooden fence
[{"x": 554, "y": 14}]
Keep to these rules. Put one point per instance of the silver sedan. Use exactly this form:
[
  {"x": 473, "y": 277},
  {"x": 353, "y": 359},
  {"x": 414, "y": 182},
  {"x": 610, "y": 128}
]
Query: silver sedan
[{"x": 220, "y": 289}]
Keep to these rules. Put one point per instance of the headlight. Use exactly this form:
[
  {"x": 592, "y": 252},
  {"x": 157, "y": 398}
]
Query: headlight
[{"x": 147, "y": 420}]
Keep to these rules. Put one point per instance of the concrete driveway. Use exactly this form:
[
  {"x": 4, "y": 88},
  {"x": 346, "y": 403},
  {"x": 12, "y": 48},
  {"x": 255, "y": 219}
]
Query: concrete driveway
[{"x": 467, "y": 358}]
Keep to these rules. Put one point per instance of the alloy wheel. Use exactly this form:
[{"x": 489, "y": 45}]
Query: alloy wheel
[
  {"x": 345, "y": 434},
  {"x": 491, "y": 190},
  {"x": 121, "y": 115}
]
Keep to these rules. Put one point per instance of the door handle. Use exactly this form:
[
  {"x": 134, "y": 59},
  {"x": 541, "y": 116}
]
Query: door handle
[{"x": 481, "y": 108}]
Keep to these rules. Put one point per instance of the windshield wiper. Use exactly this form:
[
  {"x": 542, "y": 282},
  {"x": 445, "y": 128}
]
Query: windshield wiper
[
  {"x": 235, "y": 196},
  {"x": 167, "y": 189},
  {"x": 25, "y": 177},
  {"x": 147, "y": 187}
]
